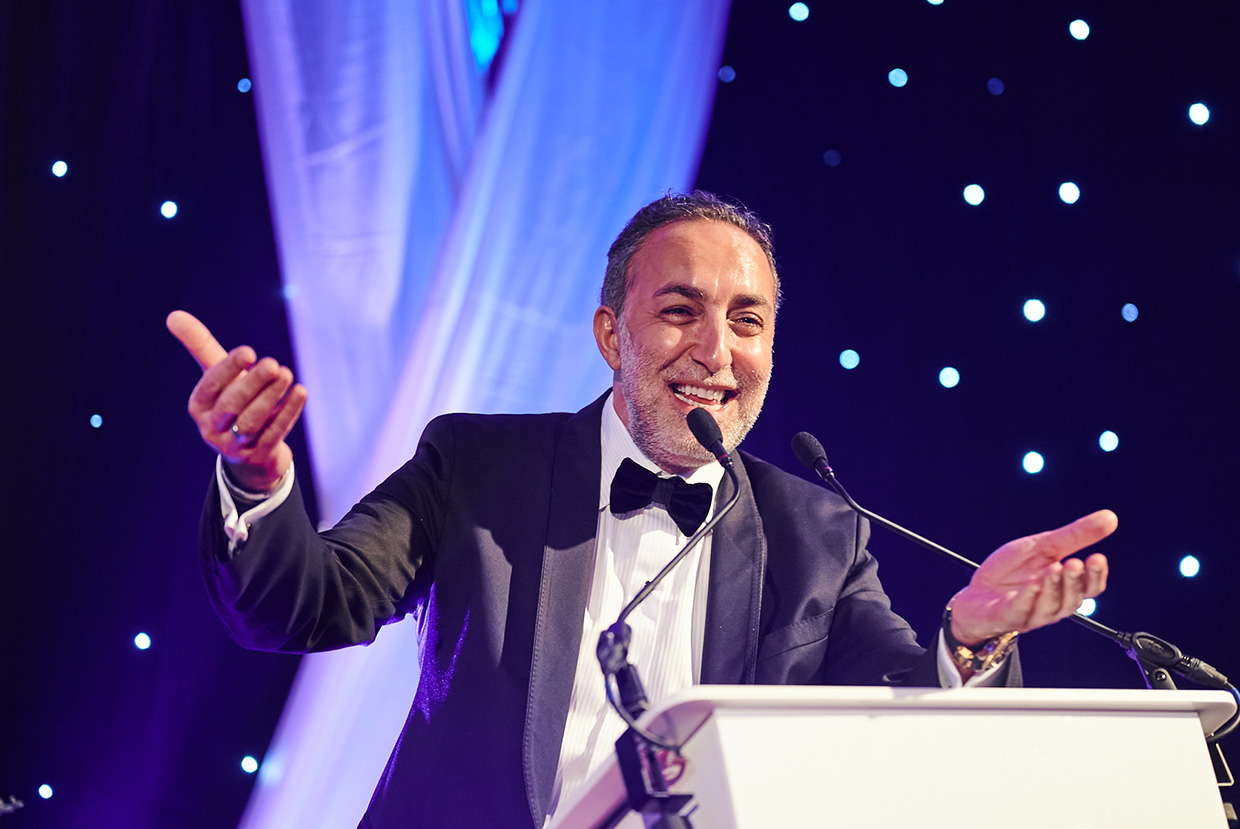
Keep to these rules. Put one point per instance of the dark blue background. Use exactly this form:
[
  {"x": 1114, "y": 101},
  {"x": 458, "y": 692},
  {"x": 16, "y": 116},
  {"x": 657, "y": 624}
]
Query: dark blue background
[{"x": 880, "y": 254}]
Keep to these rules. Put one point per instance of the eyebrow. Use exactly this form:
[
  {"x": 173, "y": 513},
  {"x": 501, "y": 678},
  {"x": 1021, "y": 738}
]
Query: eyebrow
[{"x": 697, "y": 294}]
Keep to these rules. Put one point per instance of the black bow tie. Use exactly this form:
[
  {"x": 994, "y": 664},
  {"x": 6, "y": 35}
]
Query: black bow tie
[{"x": 636, "y": 487}]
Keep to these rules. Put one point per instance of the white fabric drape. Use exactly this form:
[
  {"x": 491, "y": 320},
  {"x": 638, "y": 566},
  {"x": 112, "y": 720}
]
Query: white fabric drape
[{"x": 442, "y": 238}]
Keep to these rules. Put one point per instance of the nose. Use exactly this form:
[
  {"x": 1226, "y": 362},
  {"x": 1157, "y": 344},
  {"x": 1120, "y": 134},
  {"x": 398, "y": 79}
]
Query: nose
[{"x": 712, "y": 343}]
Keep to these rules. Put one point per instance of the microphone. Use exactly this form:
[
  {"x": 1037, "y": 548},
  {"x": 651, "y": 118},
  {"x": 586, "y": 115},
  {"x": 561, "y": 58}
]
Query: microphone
[
  {"x": 1145, "y": 648},
  {"x": 706, "y": 430},
  {"x": 613, "y": 643}
]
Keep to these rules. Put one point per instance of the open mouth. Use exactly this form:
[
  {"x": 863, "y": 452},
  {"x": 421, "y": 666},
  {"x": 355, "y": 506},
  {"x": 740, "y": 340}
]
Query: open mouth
[{"x": 701, "y": 395}]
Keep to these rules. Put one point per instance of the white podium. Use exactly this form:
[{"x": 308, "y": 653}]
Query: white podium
[{"x": 871, "y": 758}]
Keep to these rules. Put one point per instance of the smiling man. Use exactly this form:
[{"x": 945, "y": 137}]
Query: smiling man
[
  {"x": 692, "y": 325},
  {"x": 505, "y": 534}
]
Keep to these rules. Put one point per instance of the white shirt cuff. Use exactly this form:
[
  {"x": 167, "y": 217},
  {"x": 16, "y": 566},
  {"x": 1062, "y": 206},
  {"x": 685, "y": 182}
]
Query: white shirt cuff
[
  {"x": 949, "y": 674},
  {"x": 237, "y": 525}
]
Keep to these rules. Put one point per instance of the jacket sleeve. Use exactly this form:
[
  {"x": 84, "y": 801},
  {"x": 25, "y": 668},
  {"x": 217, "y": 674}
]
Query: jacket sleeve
[{"x": 289, "y": 588}]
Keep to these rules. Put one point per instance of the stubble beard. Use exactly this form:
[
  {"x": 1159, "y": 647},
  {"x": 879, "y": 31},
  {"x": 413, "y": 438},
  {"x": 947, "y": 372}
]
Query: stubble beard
[{"x": 659, "y": 429}]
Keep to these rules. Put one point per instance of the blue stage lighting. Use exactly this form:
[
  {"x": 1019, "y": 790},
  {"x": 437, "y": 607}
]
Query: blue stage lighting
[
  {"x": 897, "y": 77},
  {"x": 1034, "y": 310},
  {"x": 1129, "y": 311},
  {"x": 974, "y": 194},
  {"x": 849, "y": 358},
  {"x": 1189, "y": 566},
  {"x": 949, "y": 377},
  {"x": 1079, "y": 29},
  {"x": 1032, "y": 462},
  {"x": 798, "y": 11}
]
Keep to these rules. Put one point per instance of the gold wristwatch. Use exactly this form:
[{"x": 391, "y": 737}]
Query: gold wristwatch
[{"x": 977, "y": 658}]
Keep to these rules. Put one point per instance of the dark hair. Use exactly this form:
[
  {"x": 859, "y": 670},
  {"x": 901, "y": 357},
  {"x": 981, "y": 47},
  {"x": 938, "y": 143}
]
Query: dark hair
[{"x": 672, "y": 208}]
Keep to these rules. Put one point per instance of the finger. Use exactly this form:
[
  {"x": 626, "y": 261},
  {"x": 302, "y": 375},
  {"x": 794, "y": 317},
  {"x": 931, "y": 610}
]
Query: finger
[
  {"x": 1096, "y": 570},
  {"x": 196, "y": 338},
  {"x": 1071, "y": 538},
  {"x": 242, "y": 392},
  {"x": 256, "y": 414},
  {"x": 1075, "y": 580},
  {"x": 1050, "y": 598},
  {"x": 214, "y": 381},
  {"x": 283, "y": 421}
]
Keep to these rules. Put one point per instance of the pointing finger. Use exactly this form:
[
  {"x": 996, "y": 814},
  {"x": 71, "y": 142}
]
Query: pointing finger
[
  {"x": 1078, "y": 535},
  {"x": 196, "y": 338}
]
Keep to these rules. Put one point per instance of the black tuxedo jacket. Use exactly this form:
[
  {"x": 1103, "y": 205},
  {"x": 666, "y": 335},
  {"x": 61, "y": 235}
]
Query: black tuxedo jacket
[{"x": 487, "y": 537}]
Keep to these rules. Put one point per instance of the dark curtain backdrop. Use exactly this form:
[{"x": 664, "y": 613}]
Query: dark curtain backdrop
[{"x": 878, "y": 253}]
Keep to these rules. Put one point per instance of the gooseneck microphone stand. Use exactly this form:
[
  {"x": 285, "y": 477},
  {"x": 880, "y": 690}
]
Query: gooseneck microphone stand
[
  {"x": 636, "y": 750},
  {"x": 1154, "y": 656}
]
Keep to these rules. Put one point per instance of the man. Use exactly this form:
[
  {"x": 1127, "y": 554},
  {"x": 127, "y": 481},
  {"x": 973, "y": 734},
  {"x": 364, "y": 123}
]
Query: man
[{"x": 500, "y": 535}]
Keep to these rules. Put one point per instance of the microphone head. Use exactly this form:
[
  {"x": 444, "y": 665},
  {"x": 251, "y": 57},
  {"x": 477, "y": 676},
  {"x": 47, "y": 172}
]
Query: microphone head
[
  {"x": 807, "y": 449},
  {"x": 704, "y": 428}
]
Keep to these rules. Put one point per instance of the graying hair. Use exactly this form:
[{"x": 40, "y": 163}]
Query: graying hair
[{"x": 672, "y": 208}]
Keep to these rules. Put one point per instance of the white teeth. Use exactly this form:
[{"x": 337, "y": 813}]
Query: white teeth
[{"x": 712, "y": 395}]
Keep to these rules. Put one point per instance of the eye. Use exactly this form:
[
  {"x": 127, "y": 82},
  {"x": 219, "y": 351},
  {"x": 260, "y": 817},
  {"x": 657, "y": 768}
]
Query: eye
[
  {"x": 677, "y": 312},
  {"x": 748, "y": 323}
]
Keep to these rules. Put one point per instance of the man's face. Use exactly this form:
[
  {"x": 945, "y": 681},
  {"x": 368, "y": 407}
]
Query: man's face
[{"x": 697, "y": 329}]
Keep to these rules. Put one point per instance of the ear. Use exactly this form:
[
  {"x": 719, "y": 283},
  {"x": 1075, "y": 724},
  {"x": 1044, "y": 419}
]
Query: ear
[{"x": 607, "y": 335}]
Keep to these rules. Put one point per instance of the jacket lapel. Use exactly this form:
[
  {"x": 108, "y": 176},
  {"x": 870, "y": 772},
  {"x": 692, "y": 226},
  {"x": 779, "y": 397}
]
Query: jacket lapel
[
  {"x": 567, "y": 567},
  {"x": 733, "y": 600}
]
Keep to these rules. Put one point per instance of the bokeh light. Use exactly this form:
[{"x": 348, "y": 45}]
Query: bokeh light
[
  {"x": 1129, "y": 312},
  {"x": 1069, "y": 192},
  {"x": 1034, "y": 310},
  {"x": 832, "y": 158},
  {"x": 1109, "y": 441},
  {"x": 1199, "y": 114},
  {"x": 974, "y": 194},
  {"x": 849, "y": 358},
  {"x": 244, "y": 85},
  {"x": 59, "y": 169},
  {"x": 168, "y": 209},
  {"x": 1079, "y": 29},
  {"x": 727, "y": 74},
  {"x": 995, "y": 86},
  {"x": 248, "y": 764},
  {"x": 897, "y": 77},
  {"x": 96, "y": 420},
  {"x": 949, "y": 377},
  {"x": 1032, "y": 463},
  {"x": 142, "y": 641},
  {"x": 798, "y": 11},
  {"x": 45, "y": 791},
  {"x": 1189, "y": 566},
  {"x": 1087, "y": 608}
]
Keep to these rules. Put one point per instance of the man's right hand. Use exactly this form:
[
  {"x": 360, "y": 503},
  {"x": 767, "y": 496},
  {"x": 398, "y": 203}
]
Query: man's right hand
[{"x": 258, "y": 397}]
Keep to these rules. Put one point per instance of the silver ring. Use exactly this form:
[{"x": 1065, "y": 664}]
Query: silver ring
[{"x": 242, "y": 439}]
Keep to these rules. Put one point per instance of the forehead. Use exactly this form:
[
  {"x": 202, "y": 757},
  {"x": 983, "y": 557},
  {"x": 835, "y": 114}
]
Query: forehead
[{"x": 715, "y": 257}]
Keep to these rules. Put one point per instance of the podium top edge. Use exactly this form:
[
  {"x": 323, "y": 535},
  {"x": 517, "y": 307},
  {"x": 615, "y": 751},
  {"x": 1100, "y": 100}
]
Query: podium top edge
[{"x": 684, "y": 712}]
